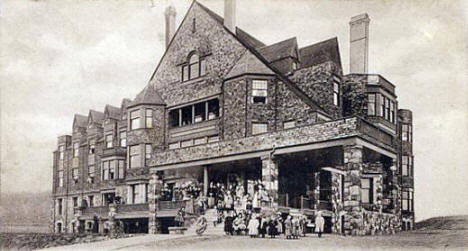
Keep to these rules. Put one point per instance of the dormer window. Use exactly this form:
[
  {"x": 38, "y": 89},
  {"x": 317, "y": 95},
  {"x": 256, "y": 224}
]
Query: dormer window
[
  {"x": 194, "y": 68},
  {"x": 259, "y": 91}
]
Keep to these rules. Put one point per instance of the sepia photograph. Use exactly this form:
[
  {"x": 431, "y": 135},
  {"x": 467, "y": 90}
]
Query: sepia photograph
[{"x": 233, "y": 125}]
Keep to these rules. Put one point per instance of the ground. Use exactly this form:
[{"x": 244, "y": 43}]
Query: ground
[{"x": 435, "y": 233}]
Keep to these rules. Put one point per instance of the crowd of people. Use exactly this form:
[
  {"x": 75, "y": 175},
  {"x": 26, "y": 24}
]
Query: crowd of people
[{"x": 239, "y": 210}]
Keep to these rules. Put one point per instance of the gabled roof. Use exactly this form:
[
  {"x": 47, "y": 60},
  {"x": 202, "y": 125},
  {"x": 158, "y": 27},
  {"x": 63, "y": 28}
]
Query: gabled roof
[
  {"x": 319, "y": 53},
  {"x": 248, "y": 64},
  {"x": 241, "y": 34},
  {"x": 112, "y": 112},
  {"x": 125, "y": 103},
  {"x": 149, "y": 95},
  {"x": 95, "y": 117},
  {"x": 80, "y": 121},
  {"x": 280, "y": 50}
]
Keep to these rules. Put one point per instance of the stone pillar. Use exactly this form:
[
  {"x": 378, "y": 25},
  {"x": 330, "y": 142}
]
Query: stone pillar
[
  {"x": 154, "y": 188},
  {"x": 205, "y": 181},
  {"x": 353, "y": 158},
  {"x": 270, "y": 177}
]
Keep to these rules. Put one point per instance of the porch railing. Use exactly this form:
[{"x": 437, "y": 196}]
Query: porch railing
[
  {"x": 170, "y": 205},
  {"x": 300, "y": 202}
]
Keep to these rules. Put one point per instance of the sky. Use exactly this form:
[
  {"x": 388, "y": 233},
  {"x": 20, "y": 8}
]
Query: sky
[{"x": 58, "y": 58}]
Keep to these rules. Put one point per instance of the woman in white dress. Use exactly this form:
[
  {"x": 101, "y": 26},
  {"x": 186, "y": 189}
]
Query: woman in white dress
[{"x": 253, "y": 226}]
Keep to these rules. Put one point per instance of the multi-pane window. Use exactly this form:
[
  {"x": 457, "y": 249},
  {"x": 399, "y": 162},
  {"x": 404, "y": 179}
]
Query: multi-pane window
[
  {"x": 148, "y": 150},
  {"x": 381, "y": 104},
  {"x": 91, "y": 174},
  {"x": 336, "y": 93},
  {"x": 148, "y": 118},
  {"x": 109, "y": 141},
  {"x": 61, "y": 152},
  {"x": 121, "y": 169},
  {"x": 75, "y": 173},
  {"x": 387, "y": 109},
  {"x": 371, "y": 104},
  {"x": 135, "y": 160},
  {"x": 60, "y": 178},
  {"x": 259, "y": 91},
  {"x": 367, "y": 191},
  {"x": 407, "y": 201},
  {"x": 406, "y": 165},
  {"x": 76, "y": 149},
  {"x": 392, "y": 112},
  {"x": 105, "y": 170},
  {"x": 123, "y": 138},
  {"x": 289, "y": 124},
  {"x": 112, "y": 169},
  {"x": 406, "y": 132},
  {"x": 135, "y": 120},
  {"x": 137, "y": 193},
  {"x": 258, "y": 128},
  {"x": 91, "y": 200},
  {"x": 194, "y": 69},
  {"x": 195, "y": 113}
]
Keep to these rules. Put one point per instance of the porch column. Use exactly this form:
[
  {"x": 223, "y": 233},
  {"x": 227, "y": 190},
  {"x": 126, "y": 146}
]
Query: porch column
[
  {"x": 353, "y": 158},
  {"x": 205, "y": 180},
  {"x": 270, "y": 177},
  {"x": 154, "y": 189}
]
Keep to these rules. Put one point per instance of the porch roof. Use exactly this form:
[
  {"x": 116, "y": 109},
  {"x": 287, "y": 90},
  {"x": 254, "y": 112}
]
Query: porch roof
[{"x": 353, "y": 130}]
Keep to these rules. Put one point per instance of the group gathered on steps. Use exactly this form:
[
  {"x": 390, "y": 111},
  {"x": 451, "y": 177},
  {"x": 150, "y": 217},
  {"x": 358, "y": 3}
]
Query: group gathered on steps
[{"x": 240, "y": 212}]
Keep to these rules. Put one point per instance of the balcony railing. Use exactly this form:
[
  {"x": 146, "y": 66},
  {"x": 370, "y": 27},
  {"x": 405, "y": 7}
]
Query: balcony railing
[
  {"x": 125, "y": 208},
  {"x": 170, "y": 205},
  {"x": 375, "y": 132},
  {"x": 300, "y": 202}
]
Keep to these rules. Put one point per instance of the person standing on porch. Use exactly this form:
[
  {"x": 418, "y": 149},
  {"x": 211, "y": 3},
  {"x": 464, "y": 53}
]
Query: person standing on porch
[
  {"x": 319, "y": 224},
  {"x": 288, "y": 227}
]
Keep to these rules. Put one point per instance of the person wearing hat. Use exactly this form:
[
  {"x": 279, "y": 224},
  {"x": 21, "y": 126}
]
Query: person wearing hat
[
  {"x": 319, "y": 224},
  {"x": 288, "y": 227}
]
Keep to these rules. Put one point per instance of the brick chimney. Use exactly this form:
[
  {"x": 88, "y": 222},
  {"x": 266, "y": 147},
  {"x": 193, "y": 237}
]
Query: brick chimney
[
  {"x": 230, "y": 15},
  {"x": 359, "y": 44},
  {"x": 170, "y": 14}
]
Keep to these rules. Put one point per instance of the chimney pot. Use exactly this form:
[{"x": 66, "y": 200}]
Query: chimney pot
[
  {"x": 359, "y": 44},
  {"x": 230, "y": 15},
  {"x": 170, "y": 14}
]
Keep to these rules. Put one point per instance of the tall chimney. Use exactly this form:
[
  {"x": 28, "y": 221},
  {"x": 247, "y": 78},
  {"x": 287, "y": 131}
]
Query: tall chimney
[
  {"x": 359, "y": 44},
  {"x": 230, "y": 15},
  {"x": 170, "y": 14}
]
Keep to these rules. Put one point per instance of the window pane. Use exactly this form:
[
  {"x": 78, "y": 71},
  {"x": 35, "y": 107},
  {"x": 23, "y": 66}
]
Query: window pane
[
  {"x": 365, "y": 196},
  {"x": 148, "y": 151},
  {"x": 371, "y": 105},
  {"x": 213, "y": 108},
  {"x": 135, "y": 123},
  {"x": 259, "y": 84},
  {"x": 123, "y": 138},
  {"x": 194, "y": 71},
  {"x": 258, "y": 128},
  {"x": 202, "y": 67},
  {"x": 185, "y": 73}
]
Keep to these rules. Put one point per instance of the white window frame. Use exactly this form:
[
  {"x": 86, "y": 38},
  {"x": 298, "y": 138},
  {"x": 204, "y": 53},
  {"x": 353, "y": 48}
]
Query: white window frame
[
  {"x": 260, "y": 89},
  {"x": 134, "y": 154},
  {"x": 148, "y": 118},
  {"x": 135, "y": 117},
  {"x": 76, "y": 149},
  {"x": 109, "y": 141},
  {"x": 123, "y": 138}
]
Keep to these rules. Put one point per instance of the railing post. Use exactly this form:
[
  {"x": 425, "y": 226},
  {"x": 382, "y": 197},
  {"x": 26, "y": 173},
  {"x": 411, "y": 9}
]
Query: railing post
[{"x": 287, "y": 200}]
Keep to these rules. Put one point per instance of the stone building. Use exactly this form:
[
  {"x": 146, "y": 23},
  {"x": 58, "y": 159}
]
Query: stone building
[{"x": 224, "y": 107}]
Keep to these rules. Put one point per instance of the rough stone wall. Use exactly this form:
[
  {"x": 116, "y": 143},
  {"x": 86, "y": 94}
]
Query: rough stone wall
[
  {"x": 376, "y": 223},
  {"x": 315, "y": 133},
  {"x": 210, "y": 38},
  {"x": 290, "y": 107},
  {"x": 337, "y": 202},
  {"x": 353, "y": 156},
  {"x": 234, "y": 109},
  {"x": 354, "y": 95},
  {"x": 317, "y": 83}
]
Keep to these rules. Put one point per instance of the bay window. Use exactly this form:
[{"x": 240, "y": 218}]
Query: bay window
[
  {"x": 148, "y": 118},
  {"x": 195, "y": 113},
  {"x": 406, "y": 133},
  {"x": 407, "y": 201},
  {"x": 109, "y": 140},
  {"x": 135, "y": 156},
  {"x": 60, "y": 178},
  {"x": 135, "y": 120},
  {"x": 123, "y": 138}
]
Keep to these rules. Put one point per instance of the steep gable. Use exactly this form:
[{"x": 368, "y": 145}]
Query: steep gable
[
  {"x": 248, "y": 64},
  {"x": 112, "y": 112},
  {"x": 147, "y": 96},
  {"x": 280, "y": 50},
  {"x": 320, "y": 53},
  {"x": 95, "y": 117},
  {"x": 80, "y": 121}
]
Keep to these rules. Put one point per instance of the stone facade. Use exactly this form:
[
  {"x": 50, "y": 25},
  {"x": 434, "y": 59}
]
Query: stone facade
[{"x": 316, "y": 118}]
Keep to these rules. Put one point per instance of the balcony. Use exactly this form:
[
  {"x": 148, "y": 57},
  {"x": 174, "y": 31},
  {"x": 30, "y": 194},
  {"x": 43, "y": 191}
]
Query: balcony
[
  {"x": 115, "y": 151},
  {"x": 103, "y": 211},
  {"x": 170, "y": 205}
]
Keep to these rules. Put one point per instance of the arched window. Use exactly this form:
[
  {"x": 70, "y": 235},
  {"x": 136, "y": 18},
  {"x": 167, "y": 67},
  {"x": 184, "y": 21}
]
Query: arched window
[{"x": 194, "y": 68}]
